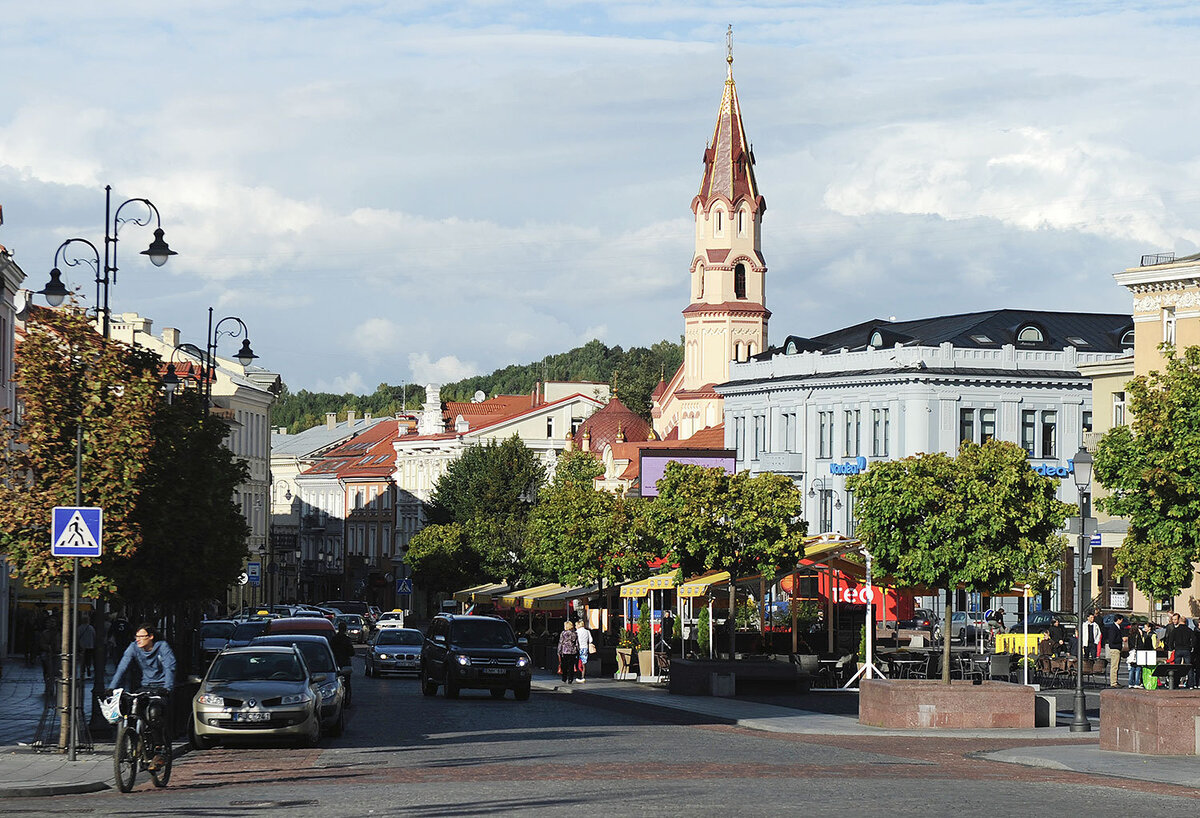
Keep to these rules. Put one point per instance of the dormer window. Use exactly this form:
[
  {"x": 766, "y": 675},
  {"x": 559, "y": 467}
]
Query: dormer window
[
  {"x": 1077, "y": 342},
  {"x": 982, "y": 339},
  {"x": 1127, "y": 340},
  {"x": 790, "y": 348},
  {"x": 876, "y": 339},
  {"x": 1030, "y": 335}
]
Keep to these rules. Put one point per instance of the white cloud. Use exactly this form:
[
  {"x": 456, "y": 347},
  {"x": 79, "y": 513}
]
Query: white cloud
[{"x": 443, "y": 370}]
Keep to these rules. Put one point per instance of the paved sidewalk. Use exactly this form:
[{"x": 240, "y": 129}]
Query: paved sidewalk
[
  {"x": 24, "y": 772},
  {"x": 1064, "y": 750}
]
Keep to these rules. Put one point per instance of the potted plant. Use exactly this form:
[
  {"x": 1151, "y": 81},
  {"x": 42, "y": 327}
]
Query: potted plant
[
  {"x": 644, "y": 635},
  {"x": 625, "y": 647}
]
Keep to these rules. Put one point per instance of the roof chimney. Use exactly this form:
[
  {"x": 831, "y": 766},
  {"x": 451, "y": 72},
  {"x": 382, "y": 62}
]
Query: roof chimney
[
  {"x": 367, "y": 416},
  {"x": 170, "y": 337},
  {"x": 330, "y": 420},
  {"x": 350, "y": 413}
]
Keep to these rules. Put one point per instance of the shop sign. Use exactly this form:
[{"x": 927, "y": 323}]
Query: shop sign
[
  {"x": 854, "y": 596},
  {"x": 1051, "y": 470},
  {"x": 855, "y": 466}
]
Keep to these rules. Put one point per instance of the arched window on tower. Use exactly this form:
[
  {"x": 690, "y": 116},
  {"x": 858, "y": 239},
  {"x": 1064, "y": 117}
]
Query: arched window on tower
[
  {"x": 739, "y": 281},
  {"x": 737, "y": 351},
  {"x": 699, "y": 281},
  {"x": 741, "y": 223},
  {"x": 718, "y": 224}
]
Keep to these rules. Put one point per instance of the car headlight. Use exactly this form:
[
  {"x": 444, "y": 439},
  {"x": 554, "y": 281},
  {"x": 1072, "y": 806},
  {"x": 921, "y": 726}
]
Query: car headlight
[
  {"x": 210, "y": 699},
  {"x": 522, "y": 662},
  {"x": 463, "y": 660},
  {"x": 328, "y": 691},
  {"x": 383, "y": 656},
  {"x": 296, "y": 698}
]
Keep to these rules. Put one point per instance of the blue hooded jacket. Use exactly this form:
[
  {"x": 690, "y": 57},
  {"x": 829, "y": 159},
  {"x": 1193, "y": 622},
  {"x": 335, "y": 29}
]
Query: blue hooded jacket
[{"x": 157, "y": 665}]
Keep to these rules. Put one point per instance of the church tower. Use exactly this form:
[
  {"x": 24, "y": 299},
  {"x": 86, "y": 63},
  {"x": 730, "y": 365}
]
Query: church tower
[{"x": 727, "y": 316}]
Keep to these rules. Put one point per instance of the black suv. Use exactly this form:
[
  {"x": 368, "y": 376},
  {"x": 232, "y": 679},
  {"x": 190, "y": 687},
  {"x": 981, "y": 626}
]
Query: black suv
[{"x": 475, "y": 652}]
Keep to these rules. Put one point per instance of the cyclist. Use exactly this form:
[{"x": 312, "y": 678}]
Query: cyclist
[{"x": 156, "y": 661}]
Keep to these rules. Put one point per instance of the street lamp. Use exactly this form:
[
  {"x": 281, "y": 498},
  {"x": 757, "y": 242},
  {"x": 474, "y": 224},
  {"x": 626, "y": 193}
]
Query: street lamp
[
  {"x": 158, "y": 252},
  {"x": 1083, "y": 479}
]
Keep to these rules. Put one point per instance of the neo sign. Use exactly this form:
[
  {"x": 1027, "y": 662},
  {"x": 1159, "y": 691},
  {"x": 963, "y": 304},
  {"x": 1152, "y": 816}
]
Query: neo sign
[{"x": 855, "y": 466}]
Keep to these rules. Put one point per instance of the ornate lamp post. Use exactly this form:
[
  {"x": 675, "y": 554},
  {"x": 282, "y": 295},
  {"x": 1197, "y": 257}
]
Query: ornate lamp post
[
  {"x": 158, "y": 252},
  {"x": 208, "y": 357},
  {"x": 1083, "y": 479}
]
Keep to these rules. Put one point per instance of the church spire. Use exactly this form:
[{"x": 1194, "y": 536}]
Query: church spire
[{"x": 729, "y": 160}]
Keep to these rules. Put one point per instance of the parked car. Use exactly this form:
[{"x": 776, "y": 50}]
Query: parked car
[
  {"x": 243, "y": 632},
  {"x": 211, "y": 638},
  {"x": 474, "y": 652},
  {"x": 348, "y": 606},
  {"x": 394, "y": 650},
  {"x": 356, "y": 628},
  {"x": 257, "y": 692},
  {"x": 318, "y": 656},
  {"x": 391, "y": 619},
  {"x": 922, "y": 620},
  {"x": 964, "y": 626}
]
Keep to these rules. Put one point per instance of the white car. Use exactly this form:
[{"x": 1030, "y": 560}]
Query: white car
[{"x": 391, "y": 619}]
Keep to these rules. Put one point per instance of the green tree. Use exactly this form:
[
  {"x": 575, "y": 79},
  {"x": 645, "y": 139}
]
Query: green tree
[
  {"x": 577, "y": 534},
  {"x": 70, "y": 379},
  {"x": 441, "y": 556},
  {"x": 1151, "y": 468},
  {"x": 708, "y": 520},
  {"x": 983, "y": 520}
]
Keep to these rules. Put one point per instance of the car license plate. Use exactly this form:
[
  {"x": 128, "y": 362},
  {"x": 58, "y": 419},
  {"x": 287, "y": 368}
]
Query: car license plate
[
  {"x": 251, "y": 716},
  {"x": 494, "y": 671}
]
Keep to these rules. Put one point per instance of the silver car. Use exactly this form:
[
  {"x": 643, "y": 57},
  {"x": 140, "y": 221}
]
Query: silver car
[
  {"x": 257, "y": 692},
  {"x": 394, "y": 650}
]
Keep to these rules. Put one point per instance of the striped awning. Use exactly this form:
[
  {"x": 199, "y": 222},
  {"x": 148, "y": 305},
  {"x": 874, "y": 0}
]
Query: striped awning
[
  {"x": 636, "y": 590},
  {"x": 559, "y": 600},
  {"x": 698, "y": 586},
  {"x": 464, "y": 596},
  {"x": 512, "y": 599}
]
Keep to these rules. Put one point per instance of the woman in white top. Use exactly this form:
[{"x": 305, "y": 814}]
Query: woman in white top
[{"x": 585, "y": 646}]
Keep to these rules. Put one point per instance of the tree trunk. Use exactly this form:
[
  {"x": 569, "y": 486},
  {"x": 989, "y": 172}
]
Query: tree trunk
[{"x": 946, "y": 634}]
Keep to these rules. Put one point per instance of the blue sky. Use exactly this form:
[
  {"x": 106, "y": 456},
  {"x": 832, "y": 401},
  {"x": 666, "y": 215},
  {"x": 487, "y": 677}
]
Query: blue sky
[{"x": 422, "y": 191}]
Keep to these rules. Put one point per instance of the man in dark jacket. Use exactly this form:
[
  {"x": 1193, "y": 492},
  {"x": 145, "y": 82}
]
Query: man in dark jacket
[
  {"x": 1112, "y": 637},
  {"x": 1057, "y": 635},
  {"x": 343, "y": 653},
  {"x": 1178, "y": 640}
]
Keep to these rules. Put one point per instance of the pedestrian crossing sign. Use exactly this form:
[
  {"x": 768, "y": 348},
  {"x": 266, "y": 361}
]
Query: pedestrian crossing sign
[{"x": 76, "y": 532}]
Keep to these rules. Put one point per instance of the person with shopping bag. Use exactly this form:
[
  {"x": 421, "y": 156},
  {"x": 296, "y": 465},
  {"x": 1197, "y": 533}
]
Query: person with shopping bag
[
  {"x": 586, "y": 647},
  {"x": 568, "y": 652}
]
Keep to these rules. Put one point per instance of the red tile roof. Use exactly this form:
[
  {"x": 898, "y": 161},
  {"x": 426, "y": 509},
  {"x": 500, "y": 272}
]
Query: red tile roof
[{"x": 735, "y": 307}]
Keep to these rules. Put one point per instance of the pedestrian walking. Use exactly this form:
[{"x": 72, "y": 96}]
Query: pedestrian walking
[
  {"x": 586, "y": 647},
  {"x": 568, "y": 652},
  {"x": 1091, "y": 637},
  {"x": 1113, "y": 638},
  {"x": 85, "y": 638}
]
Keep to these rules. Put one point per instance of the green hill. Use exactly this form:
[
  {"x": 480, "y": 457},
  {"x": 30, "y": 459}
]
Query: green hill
[{"x": 636, "y": 371}]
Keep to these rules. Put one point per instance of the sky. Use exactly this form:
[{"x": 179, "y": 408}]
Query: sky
[{"x": 414, "y": 192}]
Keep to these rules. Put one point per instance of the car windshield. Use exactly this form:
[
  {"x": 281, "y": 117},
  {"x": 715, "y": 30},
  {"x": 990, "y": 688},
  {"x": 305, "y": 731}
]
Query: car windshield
[
  {"x": 391, "y": 615},
  {"x": 216, "y": 630},
  {"x": 244, "y": 667},
  {"x": 483, "y": 634},
  {"x": 248, "y": 630},
  {"x": 351, "y": 620},
  {"x": 398, "y": 638}
]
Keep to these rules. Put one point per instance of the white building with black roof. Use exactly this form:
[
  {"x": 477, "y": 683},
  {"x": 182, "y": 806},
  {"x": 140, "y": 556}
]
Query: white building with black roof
[{"x": 820, "y": 409}]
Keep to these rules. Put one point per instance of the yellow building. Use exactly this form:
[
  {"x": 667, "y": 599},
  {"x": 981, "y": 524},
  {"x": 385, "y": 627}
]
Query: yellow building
[{"x": 1166, "y": 308}]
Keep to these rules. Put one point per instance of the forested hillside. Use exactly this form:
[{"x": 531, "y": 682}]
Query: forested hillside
[{"x": 636, "y": 372}]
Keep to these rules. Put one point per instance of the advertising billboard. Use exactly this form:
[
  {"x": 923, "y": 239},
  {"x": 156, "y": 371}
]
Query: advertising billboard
[{"x": 653, "y": 462}]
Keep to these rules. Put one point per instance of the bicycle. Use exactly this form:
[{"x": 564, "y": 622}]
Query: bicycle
[{"x": 142, "y": 740}]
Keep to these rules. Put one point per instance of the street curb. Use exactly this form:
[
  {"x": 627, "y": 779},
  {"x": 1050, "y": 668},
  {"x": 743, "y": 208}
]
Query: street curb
[{"x": 55, "y": 789}]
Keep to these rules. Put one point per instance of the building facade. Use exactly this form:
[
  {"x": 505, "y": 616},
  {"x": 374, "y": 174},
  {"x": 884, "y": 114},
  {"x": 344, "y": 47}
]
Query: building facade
[
  {"x": 822, "y": 409},
  {"x": 12, "y": 301}
]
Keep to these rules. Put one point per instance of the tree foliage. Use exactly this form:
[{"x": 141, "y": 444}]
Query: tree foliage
[
  {"x": 486, "y": 494},
  {"x": 70, "y": 379},
  {"x": 983, "y": 520},
  {"x": 160, "y": 473},
  {"x": 708, "y": 520},
  {"x": 636, "y": 371},
  {"x": 577, "y": 534},
  {"x": 1152, "y": 469}
]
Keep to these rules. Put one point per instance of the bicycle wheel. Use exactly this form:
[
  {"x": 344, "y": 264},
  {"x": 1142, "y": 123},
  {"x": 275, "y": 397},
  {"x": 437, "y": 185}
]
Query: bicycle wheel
[
  {"x": 161, "y": 773},
  {"x": 125, "y": 757}
]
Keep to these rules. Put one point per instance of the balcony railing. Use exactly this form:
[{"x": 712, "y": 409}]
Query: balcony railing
[{"x": 1154, "y": 259}]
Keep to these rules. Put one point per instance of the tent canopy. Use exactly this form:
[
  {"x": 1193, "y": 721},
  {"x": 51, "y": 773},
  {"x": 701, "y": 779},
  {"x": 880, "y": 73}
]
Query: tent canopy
[
  {"x": 643, "y": 586},
  {"x": 513, "y": 599},
  {"x": 698, "y": 586},
  {"x": 558, "y": 599},
  {"x": 476, "y": 592}
]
